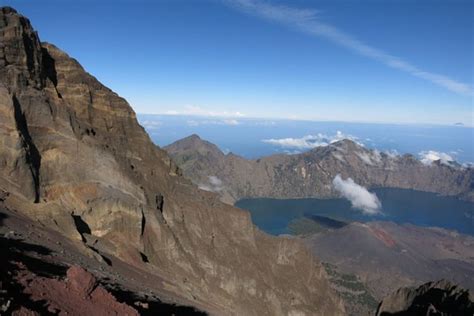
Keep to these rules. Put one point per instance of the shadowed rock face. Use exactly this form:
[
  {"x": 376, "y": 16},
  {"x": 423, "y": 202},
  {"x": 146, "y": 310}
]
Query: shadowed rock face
[
  {"x": 310, "y": 174},
  {"x": 433, "y": 298},
  {"x": 72, "y": 152}
]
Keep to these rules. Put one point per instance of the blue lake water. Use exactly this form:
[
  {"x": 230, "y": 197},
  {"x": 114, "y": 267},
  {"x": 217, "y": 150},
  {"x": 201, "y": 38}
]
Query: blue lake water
[
  {"x": 398, "y": 205},
  {"x": 244, "y": 136}
]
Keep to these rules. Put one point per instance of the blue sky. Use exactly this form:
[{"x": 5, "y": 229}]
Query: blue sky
[{"x": 373, "y": 61}]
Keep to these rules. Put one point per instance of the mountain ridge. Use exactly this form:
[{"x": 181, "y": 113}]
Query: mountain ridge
[
  {"x": 310, "y": 174},
  {"x": 75, "y": 160}
]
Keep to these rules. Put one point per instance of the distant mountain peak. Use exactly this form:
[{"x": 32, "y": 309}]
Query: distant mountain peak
[
  {"x": 347, "y": 143},
  {"x": 195, "y": 143},
  {"x": 192, "y": 137}
]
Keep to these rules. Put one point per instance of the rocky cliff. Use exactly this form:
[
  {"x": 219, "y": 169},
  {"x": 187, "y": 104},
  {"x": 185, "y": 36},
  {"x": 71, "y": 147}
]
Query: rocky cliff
[
  {"x": 75, "y": 160},
  {"x": 433, "y": 298},
  {"x": 310, "y": 174}
]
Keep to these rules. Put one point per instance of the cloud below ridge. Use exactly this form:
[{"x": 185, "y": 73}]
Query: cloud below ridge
[
  {"x": 214, "y": 185},
  {"x": 307, "y": 20},
  {"x": 309, "y": 141},
  {"x": 430, "y": 156},
  {"x": 359, "y": 196}
]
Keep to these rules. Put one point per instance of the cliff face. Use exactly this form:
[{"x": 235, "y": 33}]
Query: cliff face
[
  {"x": 310, "y": 174},
  {"x": 74, "y": 158}
]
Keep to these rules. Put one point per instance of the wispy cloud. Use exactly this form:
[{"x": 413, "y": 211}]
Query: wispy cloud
[
  {"x": 199, "y": 111},
  {"x": 309, "y": 141},
  {"x": 359, "y": 196},
  {"x": 393, "y": 153},
  {"x": 151, "y": 124},
  {"x": 371, "y": 157},
  {"x": 197, "y": 122},
  {"x": 231, "y": 122},
  {"x": 308, "y": 21},
  {"x": 214, "y": 185}
]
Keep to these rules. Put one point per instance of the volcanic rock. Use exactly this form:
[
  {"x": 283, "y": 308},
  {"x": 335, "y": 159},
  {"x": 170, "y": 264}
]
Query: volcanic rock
[{"x": 78, "y": 295}]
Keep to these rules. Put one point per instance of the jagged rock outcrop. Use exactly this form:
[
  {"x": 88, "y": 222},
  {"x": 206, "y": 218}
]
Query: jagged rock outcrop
[
  {"x": 310, "y": 174},
  {"x": 75, "y": 159},
  {"x": 433, "y": 298}
]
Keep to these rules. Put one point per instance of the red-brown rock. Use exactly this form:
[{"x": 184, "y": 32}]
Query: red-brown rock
[
  {"x": 81, "y": 281},
  {"x": 79, "y": 294}
]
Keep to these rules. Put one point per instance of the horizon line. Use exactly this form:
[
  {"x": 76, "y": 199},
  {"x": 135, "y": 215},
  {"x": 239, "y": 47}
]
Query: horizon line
[{"x": 327, "y": 120}]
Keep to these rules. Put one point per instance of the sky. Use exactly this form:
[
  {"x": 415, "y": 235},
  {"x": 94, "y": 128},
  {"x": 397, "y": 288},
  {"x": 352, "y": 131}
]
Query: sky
[{"x": 394, "y": 61}]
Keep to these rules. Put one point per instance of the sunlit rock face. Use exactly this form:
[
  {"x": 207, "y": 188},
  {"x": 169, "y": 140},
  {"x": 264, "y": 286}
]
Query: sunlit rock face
[{"x": 74, "y": 157}]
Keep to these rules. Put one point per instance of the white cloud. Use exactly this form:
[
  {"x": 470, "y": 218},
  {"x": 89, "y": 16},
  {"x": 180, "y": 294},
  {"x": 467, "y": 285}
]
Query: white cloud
[
  {"x": 192, "y": 123},
  {"x": 359, "y": 196},
  {"x": 172, "y": 112},
  {"x": 197, "y": 122},
  {"x": 308, "y": 21},
  {"x": 309, "y": 141},
  {"x": 292, "y": 152},
  {"x": 339, "y": 157},
  {"x": 265, "y": 123},
  {"x": 376, "y": 156},
  {"x": 372, "y": 157},
  {"x": 468, "y": 165},
  {"x": 231, "y": 122},
  {"x": 393, "y": 154},
  {"x": 365, "y": 158},
  {"x": 430, "y": 156},
  {"x": 215, "y": 181},
  {"x": 305, "y": 142},
  {"x": 199, "y": 111},
  {"x": 151, "y": 125},
  {"x": 214, "y": 185}
]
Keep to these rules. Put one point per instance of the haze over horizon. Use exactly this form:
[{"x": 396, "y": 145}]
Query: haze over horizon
[{"x": 397, "y": 62}]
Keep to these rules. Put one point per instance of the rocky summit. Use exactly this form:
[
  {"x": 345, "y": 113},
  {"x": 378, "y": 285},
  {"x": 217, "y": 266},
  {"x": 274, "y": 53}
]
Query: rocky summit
[
  {"x": 78, "y": 170},
  {"x": 311, "y": 174}
]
